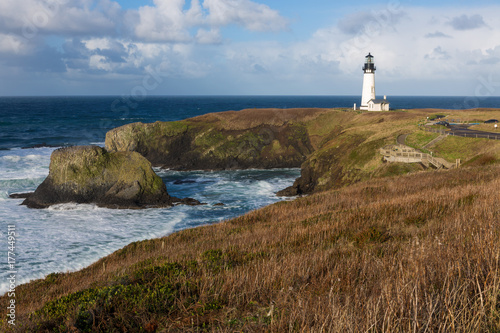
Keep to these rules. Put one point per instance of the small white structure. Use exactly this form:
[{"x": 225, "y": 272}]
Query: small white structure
[
  {"x": 369, "y": 100},
  {"x": 378, "y": 104}
]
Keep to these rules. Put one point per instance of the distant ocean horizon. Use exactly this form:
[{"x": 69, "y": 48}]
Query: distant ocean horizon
[
  {"x": 53, "y": 121},
  {"x": 69, "y": 237}
]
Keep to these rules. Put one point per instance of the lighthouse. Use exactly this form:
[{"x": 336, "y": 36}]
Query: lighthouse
[
  {"x": 368, "y": 98},
  {"x": 368, "y": 82}
]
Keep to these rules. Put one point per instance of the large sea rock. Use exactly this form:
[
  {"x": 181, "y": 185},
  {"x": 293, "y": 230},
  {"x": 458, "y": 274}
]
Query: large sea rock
[{"x": 90, "y": 174}]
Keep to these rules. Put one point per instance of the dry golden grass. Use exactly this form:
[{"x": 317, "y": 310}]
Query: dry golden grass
[
  {"x": 486, "y": 128},
  {"x": 416, "y": 253},
  {"x": 250, "y": 118}
]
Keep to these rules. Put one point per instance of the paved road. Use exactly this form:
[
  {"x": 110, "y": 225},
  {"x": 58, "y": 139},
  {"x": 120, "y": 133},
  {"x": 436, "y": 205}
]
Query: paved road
[{"x": 463, "y": 130}]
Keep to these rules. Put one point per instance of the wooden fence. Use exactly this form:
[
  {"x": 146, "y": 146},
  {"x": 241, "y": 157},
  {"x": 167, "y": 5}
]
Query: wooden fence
[{"x": 405, "y": 154}]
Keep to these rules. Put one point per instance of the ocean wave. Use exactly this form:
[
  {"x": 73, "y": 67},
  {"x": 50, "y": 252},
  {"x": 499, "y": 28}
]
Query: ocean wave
[
  {"x": 72, "y": 206},
  {"x": 265, "y": 188},
  {"x": 17, "y": 164},
  {"x": 71, "y": 236}
]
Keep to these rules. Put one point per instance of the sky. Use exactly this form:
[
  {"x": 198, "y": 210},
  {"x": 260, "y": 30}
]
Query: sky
[{"x": 248, "y": 47}]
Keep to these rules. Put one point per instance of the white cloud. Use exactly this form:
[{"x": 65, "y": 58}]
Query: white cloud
[
  {"x": 438, "y": 54},
  {"x": 405, "y": 49},
  {"x": 97, "y": 43},
  {"x": 362, "y": 21},
  {"x": 13, "y": 44},
  {"x": 185, "y": 40},
  {"x": 167, "y": 21},
  {"x": 251, "y": 15},
  {"x": 31, "y": 18},
  {"x": 211, "y": 36},
  {"x": 437, "y": 34},
  {"x": 99, "y": 62}
]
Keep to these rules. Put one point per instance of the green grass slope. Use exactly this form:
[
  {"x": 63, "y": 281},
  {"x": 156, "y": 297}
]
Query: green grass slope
[{"x": 410, "y": 253}]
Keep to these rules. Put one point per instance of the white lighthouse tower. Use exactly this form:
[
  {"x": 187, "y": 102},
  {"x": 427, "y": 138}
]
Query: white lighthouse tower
[
  {"x": 368, "y": 98},
  {"x": 368, "y": 82}
]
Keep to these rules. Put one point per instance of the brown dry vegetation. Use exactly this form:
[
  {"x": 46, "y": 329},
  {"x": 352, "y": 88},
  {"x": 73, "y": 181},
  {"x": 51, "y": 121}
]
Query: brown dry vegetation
[
  {"x": 250, "y": 118},
  {"x": 416, "y": 253}
]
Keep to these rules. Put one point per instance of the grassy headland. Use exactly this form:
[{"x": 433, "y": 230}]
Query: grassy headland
[
  {"x": 410, "y": 253},
  {"x": 417, "y": 252}
]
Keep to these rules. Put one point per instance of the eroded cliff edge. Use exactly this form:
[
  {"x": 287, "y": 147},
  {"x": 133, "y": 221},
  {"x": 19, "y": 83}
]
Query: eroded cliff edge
[
  {"x": 260, "y": 139},
  {"x": 333, "y": 147}
]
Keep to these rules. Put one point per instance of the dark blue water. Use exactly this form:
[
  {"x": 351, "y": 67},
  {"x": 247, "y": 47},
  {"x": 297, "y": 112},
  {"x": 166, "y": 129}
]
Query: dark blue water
[{"x": 61, "y": 121}]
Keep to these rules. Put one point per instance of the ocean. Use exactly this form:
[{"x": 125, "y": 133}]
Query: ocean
[{"x": 69, "y": 237}]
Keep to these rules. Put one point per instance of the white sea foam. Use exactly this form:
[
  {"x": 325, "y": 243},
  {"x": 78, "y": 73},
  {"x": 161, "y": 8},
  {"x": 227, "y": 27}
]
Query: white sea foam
[
  {"x": 12, "y": 158},
  {"x": 71, "y": 236},
  {"x": 25, "y": 163},
  {"x": 72, "y": 206},
  {"x": 264, "y": 188}
]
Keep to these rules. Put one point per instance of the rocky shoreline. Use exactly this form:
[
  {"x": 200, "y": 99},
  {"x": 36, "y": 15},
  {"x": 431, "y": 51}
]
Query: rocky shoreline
[
  {"x": 333, "y": 148},
  {"x": 90, "y": 174}
]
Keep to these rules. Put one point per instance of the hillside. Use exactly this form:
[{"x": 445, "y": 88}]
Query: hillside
[
  {"x": 371, "y": 247},
  {"x": 333, "y": 147},
  {"x": 410, "y": 253}
]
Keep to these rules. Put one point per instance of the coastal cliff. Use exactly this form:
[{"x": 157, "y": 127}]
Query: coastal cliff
[
  {"x": 333, "y": 147},
  {"x": 357, "y": 249},
  {"x": 261, "y": 139},
  {"x": 89, "y": 174}
]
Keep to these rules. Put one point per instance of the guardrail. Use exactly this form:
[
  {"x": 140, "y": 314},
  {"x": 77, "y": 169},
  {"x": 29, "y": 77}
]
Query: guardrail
[{"x": 464, "y": 135}]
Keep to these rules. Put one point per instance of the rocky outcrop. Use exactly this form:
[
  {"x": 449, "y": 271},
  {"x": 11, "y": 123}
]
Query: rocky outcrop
[
  {"x": 340, "y": 162},
  {"x": 333, "y": 147},
  {"x": 90, "y": 174},
  {"x": 262, "y": 139}
]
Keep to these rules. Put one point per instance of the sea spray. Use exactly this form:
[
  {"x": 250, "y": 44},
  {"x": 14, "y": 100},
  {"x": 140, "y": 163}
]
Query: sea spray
[{"x": 71, "y": 236}]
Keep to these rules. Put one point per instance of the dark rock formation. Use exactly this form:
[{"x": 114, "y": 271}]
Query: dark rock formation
[
  {"x": 261, "y": 139},
  {"x": 187, "y": 202},
  {"x": 89, "y": 174},
  {"x": 20, "y": 195}
]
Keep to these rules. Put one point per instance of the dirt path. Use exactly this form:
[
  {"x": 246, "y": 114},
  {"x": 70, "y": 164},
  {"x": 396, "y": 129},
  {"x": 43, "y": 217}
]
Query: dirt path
[{"x": 402, "y": 139}]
